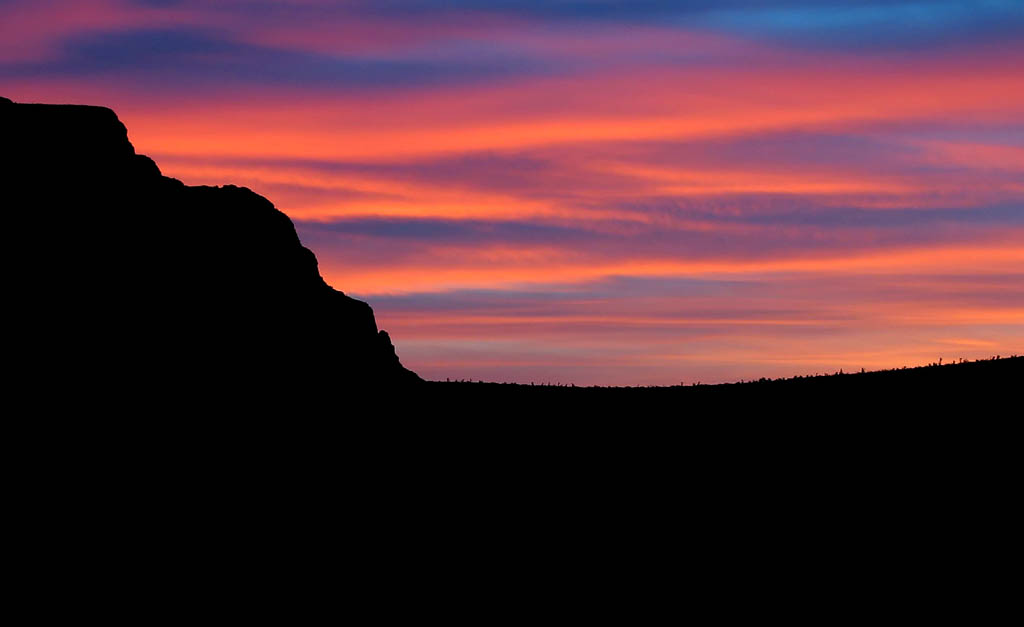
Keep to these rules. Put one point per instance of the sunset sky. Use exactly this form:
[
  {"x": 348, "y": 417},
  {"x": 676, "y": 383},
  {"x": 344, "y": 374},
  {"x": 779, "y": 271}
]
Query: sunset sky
[{"x": 635, "y": 192}]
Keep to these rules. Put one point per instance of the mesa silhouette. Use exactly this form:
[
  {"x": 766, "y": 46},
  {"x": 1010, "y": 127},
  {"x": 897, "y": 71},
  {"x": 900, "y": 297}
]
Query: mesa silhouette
[
  {"x": 140, "y": 287},
  {"x": 163, "y": 285}
]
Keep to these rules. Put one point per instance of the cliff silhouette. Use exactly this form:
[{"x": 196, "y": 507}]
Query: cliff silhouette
[
  {"x": 131, "y": 285},
  {"x": 160, "y": 284},
  {"x": 134, "y": 294}
]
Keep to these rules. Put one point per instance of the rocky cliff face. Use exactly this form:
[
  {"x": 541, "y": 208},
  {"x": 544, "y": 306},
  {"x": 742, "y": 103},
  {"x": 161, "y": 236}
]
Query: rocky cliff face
[{"x": 207, "y": 284}]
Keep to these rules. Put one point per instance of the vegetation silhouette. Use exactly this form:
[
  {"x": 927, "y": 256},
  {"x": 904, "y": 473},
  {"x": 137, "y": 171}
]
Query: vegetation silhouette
[{"x": 909, "y": 391}]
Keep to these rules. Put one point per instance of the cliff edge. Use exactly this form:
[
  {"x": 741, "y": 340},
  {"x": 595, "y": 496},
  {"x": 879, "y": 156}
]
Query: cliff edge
[{"x": 151, "y": 279}]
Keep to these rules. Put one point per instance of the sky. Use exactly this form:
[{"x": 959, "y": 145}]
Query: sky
[{"x": 614, "y": 193}]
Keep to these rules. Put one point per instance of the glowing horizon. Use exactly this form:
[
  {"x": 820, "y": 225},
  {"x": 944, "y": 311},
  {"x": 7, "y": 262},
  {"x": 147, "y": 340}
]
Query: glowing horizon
[{"x": 596, "y": 192}]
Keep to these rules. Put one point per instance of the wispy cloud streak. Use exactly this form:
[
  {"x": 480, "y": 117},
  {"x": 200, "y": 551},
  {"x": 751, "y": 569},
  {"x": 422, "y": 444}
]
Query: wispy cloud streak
[{"x": 597, "y": 192}]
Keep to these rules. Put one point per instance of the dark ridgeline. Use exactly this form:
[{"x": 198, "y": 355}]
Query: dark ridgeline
[
  {"x": 142, "y": 284},
  {"x": 144, "y": 289},
  {"x": 134, "y": 294},
  {"x": 940, "y": 388}
]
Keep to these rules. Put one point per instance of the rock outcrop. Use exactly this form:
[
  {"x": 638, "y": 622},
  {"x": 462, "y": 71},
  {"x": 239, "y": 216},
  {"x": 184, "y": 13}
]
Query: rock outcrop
[{"x": 153, "y": 280}]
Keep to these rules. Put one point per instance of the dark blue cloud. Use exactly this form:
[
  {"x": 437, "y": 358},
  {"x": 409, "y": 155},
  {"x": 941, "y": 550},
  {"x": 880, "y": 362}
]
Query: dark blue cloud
[
  {"x": 820, "y": 229},
  {"x": 853, "y": 217},
  {"x": 453, "y": 230},
  {"x": 873, "y": 26},
  {"x": 859, "y": 24},
  {"x": 537, "y": 300},
  {"x": 571, "y": 9},
  {"x": 198, "y": 56}
]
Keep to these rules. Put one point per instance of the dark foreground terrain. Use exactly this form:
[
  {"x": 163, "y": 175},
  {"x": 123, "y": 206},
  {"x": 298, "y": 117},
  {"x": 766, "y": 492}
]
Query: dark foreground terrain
[
  {"x": 933, "y": 387},
  {"x": 133, "y": 290},
  {"x": 202, "y": 416},
  {"x": 133, "y": 285}
]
